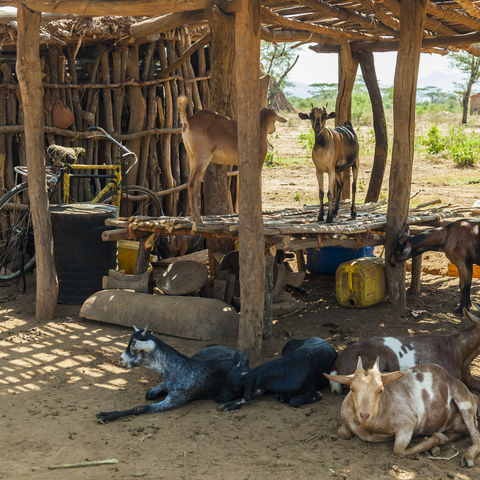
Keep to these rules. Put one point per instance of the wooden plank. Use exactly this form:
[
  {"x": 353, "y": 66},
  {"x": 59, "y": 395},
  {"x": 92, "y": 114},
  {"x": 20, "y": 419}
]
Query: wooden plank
[
  {"x": 150, "y": 8},
  {"x": 251, "y": 242},
  {"x": 30, "y": 81}
]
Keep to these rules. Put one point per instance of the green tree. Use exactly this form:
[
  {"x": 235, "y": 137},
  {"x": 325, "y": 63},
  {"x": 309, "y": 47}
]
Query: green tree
[
  {"x": 469, "y": 65},
  {"x": 277, "y": 60},
  {"x": 324, "y": 93}
]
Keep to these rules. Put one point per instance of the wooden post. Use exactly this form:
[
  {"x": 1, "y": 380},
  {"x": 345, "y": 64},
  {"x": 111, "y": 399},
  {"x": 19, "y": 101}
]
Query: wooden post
[
  {"x": 379, "y": 125},
  {"x": 222, "y": 63},
  {"x": 347, "y": 71},
  {"x": 251, "y": 239},
  {"x": 412, "y": 19},
  {"x": 31, "y": 89}
]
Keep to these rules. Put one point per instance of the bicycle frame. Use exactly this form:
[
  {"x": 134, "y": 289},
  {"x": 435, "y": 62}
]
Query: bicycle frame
[{"x": 115, "y": 180}]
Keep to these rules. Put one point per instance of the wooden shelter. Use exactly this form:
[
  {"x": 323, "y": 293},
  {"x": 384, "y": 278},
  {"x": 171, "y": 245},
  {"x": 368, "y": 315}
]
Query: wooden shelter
[{"x": 353, "y": 29}]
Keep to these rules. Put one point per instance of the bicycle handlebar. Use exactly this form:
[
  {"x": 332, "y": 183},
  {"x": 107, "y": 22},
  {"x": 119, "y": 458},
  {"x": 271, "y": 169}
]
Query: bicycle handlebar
[{"x": 122, "y": 147}]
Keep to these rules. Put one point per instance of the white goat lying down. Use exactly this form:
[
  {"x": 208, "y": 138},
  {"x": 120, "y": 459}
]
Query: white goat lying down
[
  {"x": 423, "y": 400},
  {"x": 211, "y": 137}
]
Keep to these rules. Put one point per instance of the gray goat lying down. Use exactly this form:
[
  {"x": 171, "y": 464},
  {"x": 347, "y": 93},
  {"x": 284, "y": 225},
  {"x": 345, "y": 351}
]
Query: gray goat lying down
[
  {"x": 295, "y": 378},
  {"x": 204, "y": 375}
]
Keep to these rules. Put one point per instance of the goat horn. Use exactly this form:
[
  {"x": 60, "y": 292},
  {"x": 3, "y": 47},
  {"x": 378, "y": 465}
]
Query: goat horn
[
  {"x": 376, "y": 364},
  {"x": 359, "y": 363},
  {"x": 135, "y": 329}
]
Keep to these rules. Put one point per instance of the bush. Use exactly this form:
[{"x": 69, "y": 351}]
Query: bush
[
  {"x": 435, "y": 142},
  {"x": 461, "y": 146},
  {"x": 307, "y": 140}
]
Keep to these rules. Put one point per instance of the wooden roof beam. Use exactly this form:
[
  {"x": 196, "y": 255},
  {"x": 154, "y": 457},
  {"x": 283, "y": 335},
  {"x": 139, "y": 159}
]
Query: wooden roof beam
[
  {"x": 281, "y": 36},
  {"x": 174, "y": 20},
  {"x": 383, "y": 16},
  {"x": 469, "y": 7},
  {"x": 270, "y": 17},
  {"x": 150, "y": 8},
  {"x": 368, "y": 21},
  {"x": 392, "y": 45},
  {"x": 452, "y": 16}
]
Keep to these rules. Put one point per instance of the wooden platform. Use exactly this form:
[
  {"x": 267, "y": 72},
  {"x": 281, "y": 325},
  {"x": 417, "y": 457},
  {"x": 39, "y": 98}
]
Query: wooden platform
[{"x": 297, "y": 228}]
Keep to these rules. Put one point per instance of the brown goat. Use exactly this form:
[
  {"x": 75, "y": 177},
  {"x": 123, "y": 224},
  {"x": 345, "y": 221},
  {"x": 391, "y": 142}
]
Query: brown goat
[
  {"x": 423, "y": 400},
  {"x": 454, "y": 353},
  {"x": 211, "y": 137},
  {"x": 459, "y": 240},
  {"x": 334, "y": 152}
]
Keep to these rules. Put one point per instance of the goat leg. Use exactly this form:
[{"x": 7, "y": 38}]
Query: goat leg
[
  {"x": 321, "y": 212},
  {"x": 156, "y": 391},
  {"x": 304, "y": 398},
  {"x": 465, "y": 273},
  {"x": 353, "y": 211},
  {"x": 234, "y": 405},
  {"x": 169, "y": 402}
]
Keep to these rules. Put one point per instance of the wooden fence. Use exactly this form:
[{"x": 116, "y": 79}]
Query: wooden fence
[{"x": 130, "y": 91}]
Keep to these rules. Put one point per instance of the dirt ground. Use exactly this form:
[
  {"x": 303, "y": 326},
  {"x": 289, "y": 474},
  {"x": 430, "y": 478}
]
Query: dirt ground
[{"x": 54, "y": 376}]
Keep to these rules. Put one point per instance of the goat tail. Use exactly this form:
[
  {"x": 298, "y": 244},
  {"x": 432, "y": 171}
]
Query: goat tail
[{"x": 182, "y": 102}]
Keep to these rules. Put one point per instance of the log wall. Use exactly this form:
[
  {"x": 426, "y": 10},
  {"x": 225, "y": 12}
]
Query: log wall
[{"x": 131, "y": 91}]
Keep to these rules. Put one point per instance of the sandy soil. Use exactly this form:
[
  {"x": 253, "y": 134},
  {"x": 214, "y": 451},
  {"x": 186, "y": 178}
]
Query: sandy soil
[{"x": 54, "y": 376}]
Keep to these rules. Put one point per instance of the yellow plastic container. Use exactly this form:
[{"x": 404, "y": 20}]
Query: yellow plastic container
[
  {"x": 361, "y": 282},
  {"x": 127, "y": 255},
  {"x": 453, "y": 271}
]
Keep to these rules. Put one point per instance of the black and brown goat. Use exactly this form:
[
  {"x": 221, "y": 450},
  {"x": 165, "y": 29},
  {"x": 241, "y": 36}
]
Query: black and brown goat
[
  {"x": 334, "y": 151},
  {"x": 459, "y": 240}
]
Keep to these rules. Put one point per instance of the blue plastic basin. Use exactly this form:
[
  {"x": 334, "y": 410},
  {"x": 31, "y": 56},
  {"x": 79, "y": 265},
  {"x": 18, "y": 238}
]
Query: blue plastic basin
[{"x": 327, "y": 259}]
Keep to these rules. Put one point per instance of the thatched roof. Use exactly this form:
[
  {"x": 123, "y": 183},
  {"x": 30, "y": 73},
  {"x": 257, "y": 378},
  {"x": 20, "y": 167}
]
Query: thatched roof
[{"x": 367, "y": 24}]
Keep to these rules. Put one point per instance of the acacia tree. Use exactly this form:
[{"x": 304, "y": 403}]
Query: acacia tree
[
  {"x": 469, "y": 65},
  {"x": 278, "y": 61}
]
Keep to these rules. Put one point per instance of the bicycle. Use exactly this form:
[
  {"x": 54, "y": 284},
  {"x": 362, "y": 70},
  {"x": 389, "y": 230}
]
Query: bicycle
[{"x": 17, "y": 249}]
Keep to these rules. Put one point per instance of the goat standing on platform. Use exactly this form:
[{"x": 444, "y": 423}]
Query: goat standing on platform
[
  {"x": 459, "y": 240},
  {"x": 423, "y": 400},
  {"x": 334, "y": 152},
  {"x": 211, "y": 137}
]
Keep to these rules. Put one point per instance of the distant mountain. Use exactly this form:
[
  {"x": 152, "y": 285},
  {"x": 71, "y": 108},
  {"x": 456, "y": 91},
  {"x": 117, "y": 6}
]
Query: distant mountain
[{"x": 441, "y": 80}]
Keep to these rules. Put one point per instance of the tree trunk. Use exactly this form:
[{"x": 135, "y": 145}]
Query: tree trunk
[
  {"x": 379, "y": 125},
  {"x": 412, "y": 19},
  {"x": 465, "y": 102},
  {"x": 30, "y": 81},
  {"x": 251, "y": 241},
  {"x": 347, "y": 71}
]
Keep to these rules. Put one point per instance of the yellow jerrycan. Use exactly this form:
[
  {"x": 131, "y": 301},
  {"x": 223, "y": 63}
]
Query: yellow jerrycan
[{"x": 361, "y": 282}]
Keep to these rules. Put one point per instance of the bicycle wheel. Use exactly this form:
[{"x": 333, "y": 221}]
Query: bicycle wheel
[
  {"x": 17, "y": 248},
  {"x": 136, "y": 201}
]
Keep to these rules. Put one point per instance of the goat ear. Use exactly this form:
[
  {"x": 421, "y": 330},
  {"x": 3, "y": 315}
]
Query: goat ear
[
  {"x": 331, "y": 115},
  {"x": 304, "y": 116},
  {"x": 144, "y": 346},
  {"x": 343, "y": 379},
  {"x": 391, "y": 377},
  {"x": 473, "y": 318},
  {"x": 280, "y": 119}
]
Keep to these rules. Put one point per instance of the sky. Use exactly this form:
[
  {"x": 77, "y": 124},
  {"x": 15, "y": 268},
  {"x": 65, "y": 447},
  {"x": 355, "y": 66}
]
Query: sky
[{"x": 323, "y": 68}]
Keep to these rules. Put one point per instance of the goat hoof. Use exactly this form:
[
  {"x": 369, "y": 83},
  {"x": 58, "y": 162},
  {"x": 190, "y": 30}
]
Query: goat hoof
[
  {"x": 459, "y": 310},
  {"x": 104, "y": 417}
]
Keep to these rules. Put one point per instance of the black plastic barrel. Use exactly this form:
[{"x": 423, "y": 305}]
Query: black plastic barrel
[{"x": 81, "y": 257}]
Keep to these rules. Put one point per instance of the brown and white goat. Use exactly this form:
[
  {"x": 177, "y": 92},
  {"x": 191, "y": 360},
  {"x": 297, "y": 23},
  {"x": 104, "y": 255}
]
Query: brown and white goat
[
  {"x": 334, "y": 152},
  {"x": 459, "y": 240},
  {"x": 423, "y": 400},
  {"x": 454, "y": 353},
  {"x": 211, "y": 137}
]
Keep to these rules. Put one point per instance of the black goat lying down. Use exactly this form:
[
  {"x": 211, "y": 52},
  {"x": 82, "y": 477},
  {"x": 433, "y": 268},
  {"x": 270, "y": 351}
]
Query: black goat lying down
[
  {"x": 204, "y": 375},
  {"x": 296, "y": 377}
]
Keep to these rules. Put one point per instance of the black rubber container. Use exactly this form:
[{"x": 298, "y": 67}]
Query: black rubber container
[{"x": 81, "y": 257}]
